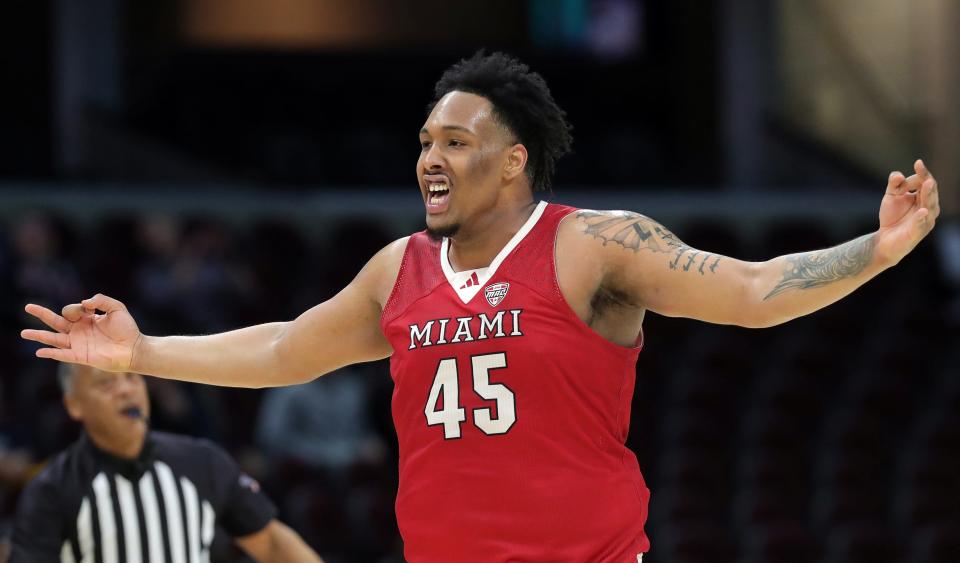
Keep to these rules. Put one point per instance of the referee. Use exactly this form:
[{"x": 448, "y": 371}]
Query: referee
[{"x": 122, "y": 493}]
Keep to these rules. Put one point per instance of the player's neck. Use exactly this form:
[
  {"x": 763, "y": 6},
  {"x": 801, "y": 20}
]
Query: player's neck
[{"x": 478, "y": 246}]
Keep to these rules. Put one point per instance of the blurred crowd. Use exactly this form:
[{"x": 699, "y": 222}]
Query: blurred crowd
[{"x": 833, "y": 438}]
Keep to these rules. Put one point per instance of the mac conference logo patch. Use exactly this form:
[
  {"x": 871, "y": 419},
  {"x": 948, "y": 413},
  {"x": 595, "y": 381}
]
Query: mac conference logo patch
[
  {"x": 249, "y": 482},
  {"x": 495, "y": 293}
]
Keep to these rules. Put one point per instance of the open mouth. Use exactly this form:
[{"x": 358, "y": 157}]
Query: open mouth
[
  {"x": 135, "y": 413},
  {"x": 437, "y": 193}
]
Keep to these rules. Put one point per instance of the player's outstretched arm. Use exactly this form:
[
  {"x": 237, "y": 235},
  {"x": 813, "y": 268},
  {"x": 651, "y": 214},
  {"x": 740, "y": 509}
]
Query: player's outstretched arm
[
  {"x": 343, "y": 330},
  {"x": 652, "y": 268}
]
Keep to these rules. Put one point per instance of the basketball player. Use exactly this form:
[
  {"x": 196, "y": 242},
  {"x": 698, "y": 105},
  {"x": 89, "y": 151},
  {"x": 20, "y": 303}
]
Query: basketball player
[{"x": 513, "y": 327}]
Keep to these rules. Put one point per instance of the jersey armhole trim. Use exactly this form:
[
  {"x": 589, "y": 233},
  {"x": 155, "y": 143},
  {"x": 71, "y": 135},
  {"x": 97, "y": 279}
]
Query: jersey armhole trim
[{"x": 401, "y": 272}]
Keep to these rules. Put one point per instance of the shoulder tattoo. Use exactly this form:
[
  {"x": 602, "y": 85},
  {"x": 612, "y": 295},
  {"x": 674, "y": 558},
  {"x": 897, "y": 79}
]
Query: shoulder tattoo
[{"x": 637, "y": 232}]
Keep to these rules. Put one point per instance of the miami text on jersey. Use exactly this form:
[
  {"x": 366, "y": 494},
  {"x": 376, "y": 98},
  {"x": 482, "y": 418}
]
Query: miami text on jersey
[{"x": 465, "y": 329}]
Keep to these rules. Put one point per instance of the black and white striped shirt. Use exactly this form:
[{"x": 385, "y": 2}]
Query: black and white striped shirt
[{"x": 90, "y": 507}]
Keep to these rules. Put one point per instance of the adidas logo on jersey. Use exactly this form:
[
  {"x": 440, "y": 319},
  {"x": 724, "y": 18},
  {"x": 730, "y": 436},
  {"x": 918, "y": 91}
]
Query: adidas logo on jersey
[
  {"x": 471, "y": 282},
  {"x": 495, "y": 293}
]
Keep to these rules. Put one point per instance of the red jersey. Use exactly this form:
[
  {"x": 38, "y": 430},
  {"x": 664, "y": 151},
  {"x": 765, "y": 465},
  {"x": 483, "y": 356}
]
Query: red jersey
[{"x": 511, "y": 412}]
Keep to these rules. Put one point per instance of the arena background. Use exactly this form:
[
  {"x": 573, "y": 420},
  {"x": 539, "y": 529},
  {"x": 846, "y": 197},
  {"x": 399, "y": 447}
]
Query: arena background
[{"x": 215, "y": 163}]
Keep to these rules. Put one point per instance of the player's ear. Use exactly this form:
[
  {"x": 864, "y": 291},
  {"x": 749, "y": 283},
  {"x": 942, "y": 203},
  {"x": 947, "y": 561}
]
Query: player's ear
[{"x": 516, "y": 161}]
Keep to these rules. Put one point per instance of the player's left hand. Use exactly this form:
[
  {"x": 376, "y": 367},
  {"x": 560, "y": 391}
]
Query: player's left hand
[{"x": 908, "y": 212}]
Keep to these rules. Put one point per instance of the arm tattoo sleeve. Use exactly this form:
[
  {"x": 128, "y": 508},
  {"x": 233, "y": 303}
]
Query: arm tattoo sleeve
[
  {"x": 637, "y": 232},
  {"x": 816, "y": 269}
]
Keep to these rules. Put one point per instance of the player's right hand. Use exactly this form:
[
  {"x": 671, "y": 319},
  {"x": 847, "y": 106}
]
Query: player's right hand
[{"x": 97, "y": 332}]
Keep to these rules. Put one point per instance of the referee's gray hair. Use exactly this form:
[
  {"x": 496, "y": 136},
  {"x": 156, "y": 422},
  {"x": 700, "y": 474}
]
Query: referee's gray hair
[{"x": 65, "y": 375}]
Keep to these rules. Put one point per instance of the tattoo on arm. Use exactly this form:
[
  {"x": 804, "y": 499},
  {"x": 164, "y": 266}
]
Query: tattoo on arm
[
  {"x": 637, "y": 232},
  {"x": 816, "y": 269}
]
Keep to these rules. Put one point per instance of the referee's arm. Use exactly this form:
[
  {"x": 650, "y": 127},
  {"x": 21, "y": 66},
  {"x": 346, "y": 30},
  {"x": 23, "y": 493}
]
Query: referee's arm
[
  {"x": 276, "y": 543},
  {"x": 38, "y": 535},
  {"x": 250, "y": 517}
]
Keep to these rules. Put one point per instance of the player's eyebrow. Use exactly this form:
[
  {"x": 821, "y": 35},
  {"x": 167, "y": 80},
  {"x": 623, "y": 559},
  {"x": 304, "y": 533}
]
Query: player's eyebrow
[{"x": 424, "y": 131}]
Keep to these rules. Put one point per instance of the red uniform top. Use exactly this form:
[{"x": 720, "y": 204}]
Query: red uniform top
[{"x": 511, "y": 412}]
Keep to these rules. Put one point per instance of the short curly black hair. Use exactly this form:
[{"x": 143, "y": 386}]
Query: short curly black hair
[{"x": 521, "y": 101}]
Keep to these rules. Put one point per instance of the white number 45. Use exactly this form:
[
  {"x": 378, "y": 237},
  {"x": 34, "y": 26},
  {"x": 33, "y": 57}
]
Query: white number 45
[{"x": 452, "y": 414}]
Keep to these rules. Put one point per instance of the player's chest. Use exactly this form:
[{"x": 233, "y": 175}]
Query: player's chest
[{"x": 504, "y": 313}]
